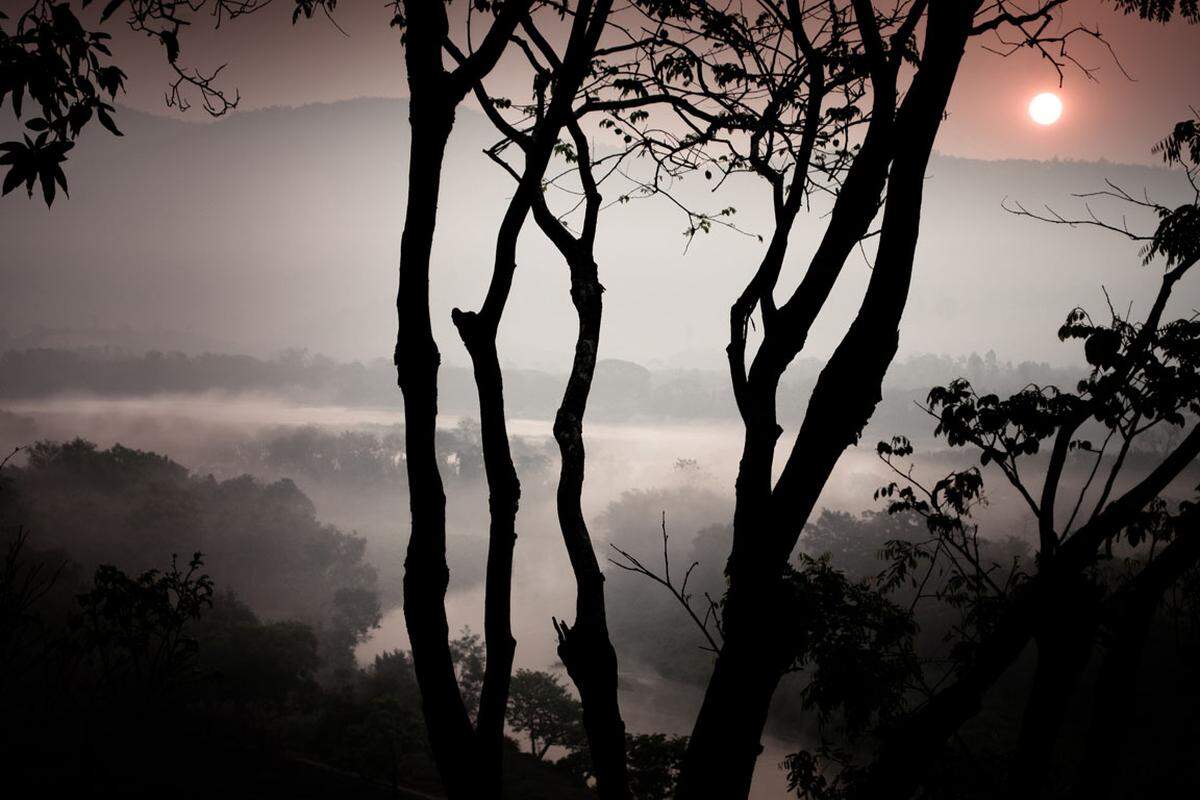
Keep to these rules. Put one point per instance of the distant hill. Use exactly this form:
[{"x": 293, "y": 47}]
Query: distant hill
[
  {"x": 623, "y": 391},
  {"x": 279, "y": 228}
]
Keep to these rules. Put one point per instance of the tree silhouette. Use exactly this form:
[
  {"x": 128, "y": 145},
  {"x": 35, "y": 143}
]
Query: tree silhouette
[
  {"x": 574, "y": 92},
  {"x": 1144, "y": 376},
  {"x": 134, "y": 629},
  {"x": 469, "y": 764},
  {"x": 817, "y": 99},
  {"x": 556, "y": 87},
  {"x": 541, "y": 708}
]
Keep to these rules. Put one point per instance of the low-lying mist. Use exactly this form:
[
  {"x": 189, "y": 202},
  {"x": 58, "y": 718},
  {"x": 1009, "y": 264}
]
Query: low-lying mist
[{"x": 331, "y": 476}]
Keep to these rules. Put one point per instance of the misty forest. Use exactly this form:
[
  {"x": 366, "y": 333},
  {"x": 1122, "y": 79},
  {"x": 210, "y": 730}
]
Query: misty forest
[{"x": 574, "y": 398}]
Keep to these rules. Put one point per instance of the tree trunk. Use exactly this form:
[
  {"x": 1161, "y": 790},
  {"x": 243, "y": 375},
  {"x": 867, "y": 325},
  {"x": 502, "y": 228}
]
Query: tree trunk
[
  {"x": 504, "y": 493},
  {"x": 726, "y": 740},
  {"x": 478, "y": 331},
  {"x": 851, "y": 384},
  {"x": 469, "y": 763},
  {"x": 912, "y": 746},
  {"x": 585, "y": 647},
  {"x": 426, "y": 574},
  {"x": 1116, "y": 700},
  {"x": 1064, "y": 645},
  {"x": 1131, "y": 613}
]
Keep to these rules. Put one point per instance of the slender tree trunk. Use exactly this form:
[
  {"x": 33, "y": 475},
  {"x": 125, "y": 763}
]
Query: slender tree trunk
[
  {"x": 478, "y": 330},
  {"x": 469, "y": 763},
  {"x": 426, "y": 574},
  {"x": 585, "y": 647},
  {"x": 504, "y": 493}
]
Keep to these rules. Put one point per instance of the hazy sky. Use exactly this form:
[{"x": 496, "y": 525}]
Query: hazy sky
[
  {"x": 281, "y": 228},
  {"x": 1114, "y": 117},
  {"x": 274, "y": 229}
]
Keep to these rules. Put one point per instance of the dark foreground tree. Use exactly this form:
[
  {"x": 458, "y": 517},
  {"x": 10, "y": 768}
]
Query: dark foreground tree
[
  {"x": 609, "y": 98},
  {"x": 838, "y": 100},
  {"x": 560, "y": 75},
  {"x": 1145, "y": 376},
  {"x": 469, "y": 763}
]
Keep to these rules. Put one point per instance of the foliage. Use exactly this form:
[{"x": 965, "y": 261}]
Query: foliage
[
  {"x": 827, "y": 774},
  {"x": 159, "y": 651},
  {"x": 854, "y": 543},
  {"x": 755, "y": 112},
  {"x": 48, "y": 55},
  {"x": 262, "y": 540},
  {"x": 653, "y": 759},
  {"x": 249, "y": 661},
  {"x": 28, "y": 585},
  {"x": 542, "y": 708},
  {"x": 391, "y": 673},
  {"x": 856, "y": 650},
  {"x": 855, "y": 644},
  {"x": 1182, "y": 145},
  {"x": 469, "y": 663},
  {"x": 1143, "y": 376},
  {"x": 1161, "y": 10},
  {"x": 134, "y": 630}
]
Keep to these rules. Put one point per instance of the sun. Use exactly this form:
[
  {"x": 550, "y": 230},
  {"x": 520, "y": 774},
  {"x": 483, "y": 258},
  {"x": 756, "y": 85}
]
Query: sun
[{"x": 1045, "y": 108}]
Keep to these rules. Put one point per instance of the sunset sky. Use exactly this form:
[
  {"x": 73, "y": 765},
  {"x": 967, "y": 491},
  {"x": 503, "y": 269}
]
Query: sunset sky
[{"x": 1113, "y": 117}]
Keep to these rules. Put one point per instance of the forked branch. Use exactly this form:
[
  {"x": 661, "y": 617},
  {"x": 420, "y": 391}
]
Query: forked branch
[{"x": 631, "y": 563}]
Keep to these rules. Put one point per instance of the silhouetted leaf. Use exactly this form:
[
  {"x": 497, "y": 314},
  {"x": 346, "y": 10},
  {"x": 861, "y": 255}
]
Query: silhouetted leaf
[
  {"x": 107, "y": 122},
  {"x": 109, "y": 9}
]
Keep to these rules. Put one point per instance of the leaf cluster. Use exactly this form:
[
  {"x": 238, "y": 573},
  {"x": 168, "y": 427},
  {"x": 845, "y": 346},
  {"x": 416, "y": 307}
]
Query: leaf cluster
[
  {"x": 48, "y": 58},
  {"x": 136, "y": 628},
  {"x": 855, "y": 643}
]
